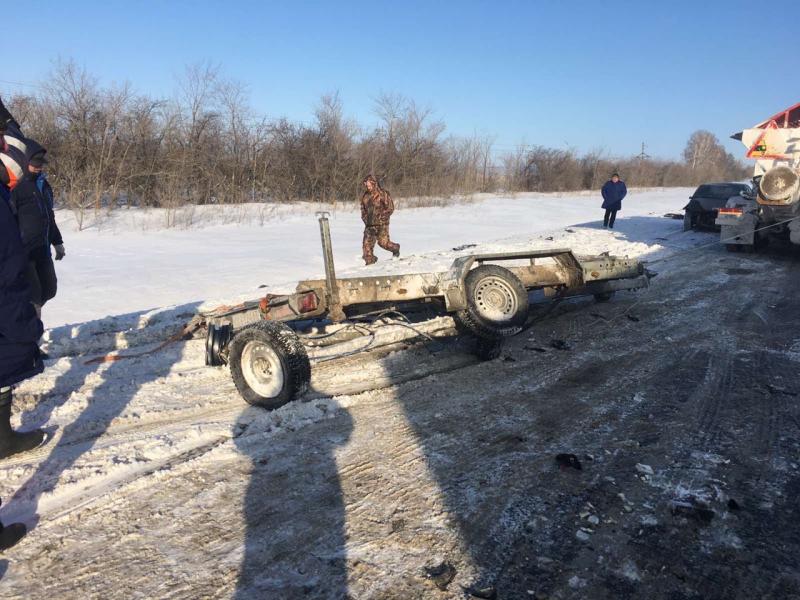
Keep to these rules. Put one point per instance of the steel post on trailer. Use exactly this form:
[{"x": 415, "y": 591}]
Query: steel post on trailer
[{"x": 335, "y": 311}]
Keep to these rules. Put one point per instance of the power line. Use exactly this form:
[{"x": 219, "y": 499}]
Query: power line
[{"x": 22, "y": 83}]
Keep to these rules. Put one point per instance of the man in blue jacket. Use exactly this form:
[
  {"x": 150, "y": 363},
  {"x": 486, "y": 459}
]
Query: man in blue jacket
[
  {"x": 613, "y": 192},
  {"x": 32, "y": 203},
  {"x": 20, "y": 330}
]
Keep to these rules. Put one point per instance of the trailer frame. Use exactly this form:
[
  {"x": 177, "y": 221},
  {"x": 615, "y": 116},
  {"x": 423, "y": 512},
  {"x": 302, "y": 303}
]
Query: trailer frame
[{"x": 493, "y": 308}]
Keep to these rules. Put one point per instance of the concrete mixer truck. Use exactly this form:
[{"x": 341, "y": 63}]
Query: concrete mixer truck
[{"x": 772, "y": 207}]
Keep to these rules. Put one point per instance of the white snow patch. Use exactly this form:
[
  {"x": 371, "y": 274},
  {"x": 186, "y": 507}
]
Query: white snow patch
[{"x": 630, "y": 571}]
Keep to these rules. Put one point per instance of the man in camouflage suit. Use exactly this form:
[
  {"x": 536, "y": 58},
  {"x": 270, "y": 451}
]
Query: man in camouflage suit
[{"x": 376, "y": 209}]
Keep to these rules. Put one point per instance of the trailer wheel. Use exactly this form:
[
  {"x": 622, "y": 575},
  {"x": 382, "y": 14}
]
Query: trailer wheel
[
  {"x": 497, "y": 303},
  {"x": 269, "y": 364},
  {"x": 217, "y": 340},
  {"x": 603, "y": 297}
]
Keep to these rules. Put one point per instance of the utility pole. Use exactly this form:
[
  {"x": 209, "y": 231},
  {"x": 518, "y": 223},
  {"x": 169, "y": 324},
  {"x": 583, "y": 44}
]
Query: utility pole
[{"x": 643, "y": 155}]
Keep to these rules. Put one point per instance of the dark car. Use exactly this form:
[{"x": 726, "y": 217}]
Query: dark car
[{"x": 703, "y": 205}]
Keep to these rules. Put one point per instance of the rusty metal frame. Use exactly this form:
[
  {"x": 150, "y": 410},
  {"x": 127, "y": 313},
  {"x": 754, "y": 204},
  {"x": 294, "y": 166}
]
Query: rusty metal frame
[{"x": 566, "y": 275}]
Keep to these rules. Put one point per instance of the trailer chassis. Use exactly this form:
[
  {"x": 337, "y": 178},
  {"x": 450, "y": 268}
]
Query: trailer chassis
[{"x": 264, "y": 341}]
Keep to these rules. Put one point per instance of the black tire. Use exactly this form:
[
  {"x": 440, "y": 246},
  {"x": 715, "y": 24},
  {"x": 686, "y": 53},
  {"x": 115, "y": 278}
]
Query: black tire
[
  {"x": 497, "y": 303},
  {"x": 603, "y": 297},
  {"x": 688, "y": 221},
  {"x": 487, "y": 349},
  {"x": 269, "y": 364},
  {"x": 217, "y": 340}
]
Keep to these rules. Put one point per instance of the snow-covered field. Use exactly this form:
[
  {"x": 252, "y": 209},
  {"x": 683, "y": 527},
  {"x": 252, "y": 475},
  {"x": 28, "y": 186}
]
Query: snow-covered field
[
  {"x": 160, "y": 482},
  {"x": 128, "y": 262}
]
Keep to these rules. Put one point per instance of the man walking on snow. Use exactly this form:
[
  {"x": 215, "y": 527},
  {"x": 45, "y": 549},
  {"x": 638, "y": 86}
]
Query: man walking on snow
[
  {"x": 613, "y": 192},
  {"x": 376, "y": 210}
]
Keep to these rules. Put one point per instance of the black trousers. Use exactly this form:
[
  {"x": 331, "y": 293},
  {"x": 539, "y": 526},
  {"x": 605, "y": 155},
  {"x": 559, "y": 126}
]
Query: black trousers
[
  {"x": 608, "y": 220},
  {"x": 41, "y": 276}
]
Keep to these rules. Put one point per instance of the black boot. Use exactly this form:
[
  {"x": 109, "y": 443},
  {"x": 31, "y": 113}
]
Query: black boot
[
  {"x": 11, "y": 534},
  {"x": 12, "y": 442}
]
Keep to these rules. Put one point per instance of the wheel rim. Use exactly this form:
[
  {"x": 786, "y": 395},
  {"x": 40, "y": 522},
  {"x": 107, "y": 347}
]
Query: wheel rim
[
  {"x": 262, "y": 369},
  {"x": 495, "y": 300}
]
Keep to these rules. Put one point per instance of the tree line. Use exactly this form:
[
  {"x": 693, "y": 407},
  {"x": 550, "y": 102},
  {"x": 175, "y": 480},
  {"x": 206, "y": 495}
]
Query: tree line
[
  {"x": 110, "y": 146},
  {"x": 546, "y": 169}
]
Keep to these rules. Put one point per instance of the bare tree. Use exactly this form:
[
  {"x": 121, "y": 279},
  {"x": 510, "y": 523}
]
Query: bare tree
[{"x": 109, "y": 146}]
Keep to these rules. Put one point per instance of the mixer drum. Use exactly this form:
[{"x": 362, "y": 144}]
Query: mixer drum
[{"x": 779, "y": 185}]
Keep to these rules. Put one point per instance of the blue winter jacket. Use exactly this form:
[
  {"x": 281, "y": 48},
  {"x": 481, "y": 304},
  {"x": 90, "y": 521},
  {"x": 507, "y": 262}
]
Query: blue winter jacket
[
  {"x": 20, "y": 329},
  {"x": 613, "y": 193}
]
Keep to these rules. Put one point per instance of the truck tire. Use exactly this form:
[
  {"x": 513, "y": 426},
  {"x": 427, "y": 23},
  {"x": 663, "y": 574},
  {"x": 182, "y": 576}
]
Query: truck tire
[
  {"x": 497, "y": 303},
  {"x": 269, "y": 364},
  {"x": 688, "y": 221}
]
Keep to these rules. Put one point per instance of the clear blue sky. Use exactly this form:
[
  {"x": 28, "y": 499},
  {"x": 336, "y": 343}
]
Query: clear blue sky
[{"x": 587, "y": 74}]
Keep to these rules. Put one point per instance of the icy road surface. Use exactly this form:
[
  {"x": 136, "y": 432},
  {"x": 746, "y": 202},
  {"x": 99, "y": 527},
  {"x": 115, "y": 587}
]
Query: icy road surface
[{"x": 680, "y": 402}]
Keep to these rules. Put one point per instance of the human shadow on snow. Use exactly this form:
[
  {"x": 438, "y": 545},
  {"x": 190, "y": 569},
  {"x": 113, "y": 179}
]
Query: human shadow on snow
[
  {"x": 294, "y": 509},
  {"x": 121, "y": 380},
  {"x": 84, "y": 341}
]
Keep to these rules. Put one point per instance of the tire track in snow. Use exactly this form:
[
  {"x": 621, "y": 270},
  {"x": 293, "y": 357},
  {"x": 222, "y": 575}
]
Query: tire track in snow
[{"x": 122, "y": 434}]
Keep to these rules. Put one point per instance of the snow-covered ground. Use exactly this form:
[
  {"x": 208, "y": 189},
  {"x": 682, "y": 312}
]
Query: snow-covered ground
[
  {"x": 129, "y": 262},
  {"x": 160, "y": 482}
]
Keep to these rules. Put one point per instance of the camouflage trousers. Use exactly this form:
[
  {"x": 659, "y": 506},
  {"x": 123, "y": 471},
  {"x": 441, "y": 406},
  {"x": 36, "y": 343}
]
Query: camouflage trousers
[{"x": 379, "y": 234}]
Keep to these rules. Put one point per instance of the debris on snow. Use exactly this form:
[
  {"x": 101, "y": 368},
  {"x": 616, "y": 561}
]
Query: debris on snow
[
  {"x": 576, "y": 582},
  {"x": 442, "y": 574},
  {"x": 487, "y": 593},
  {"x": 693, "y": 508},
  {"x": 567, "y": 461}
]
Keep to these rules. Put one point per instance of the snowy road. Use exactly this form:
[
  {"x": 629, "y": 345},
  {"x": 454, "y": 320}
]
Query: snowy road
[{"x": 160, "y": 483}]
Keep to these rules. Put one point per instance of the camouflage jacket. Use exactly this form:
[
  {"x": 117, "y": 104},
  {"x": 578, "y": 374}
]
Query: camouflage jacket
[{"x": 376, "y": 208}]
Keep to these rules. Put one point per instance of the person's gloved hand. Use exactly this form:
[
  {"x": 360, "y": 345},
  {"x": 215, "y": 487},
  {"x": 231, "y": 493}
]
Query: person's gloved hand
[{"x": 60, "y": 252}]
